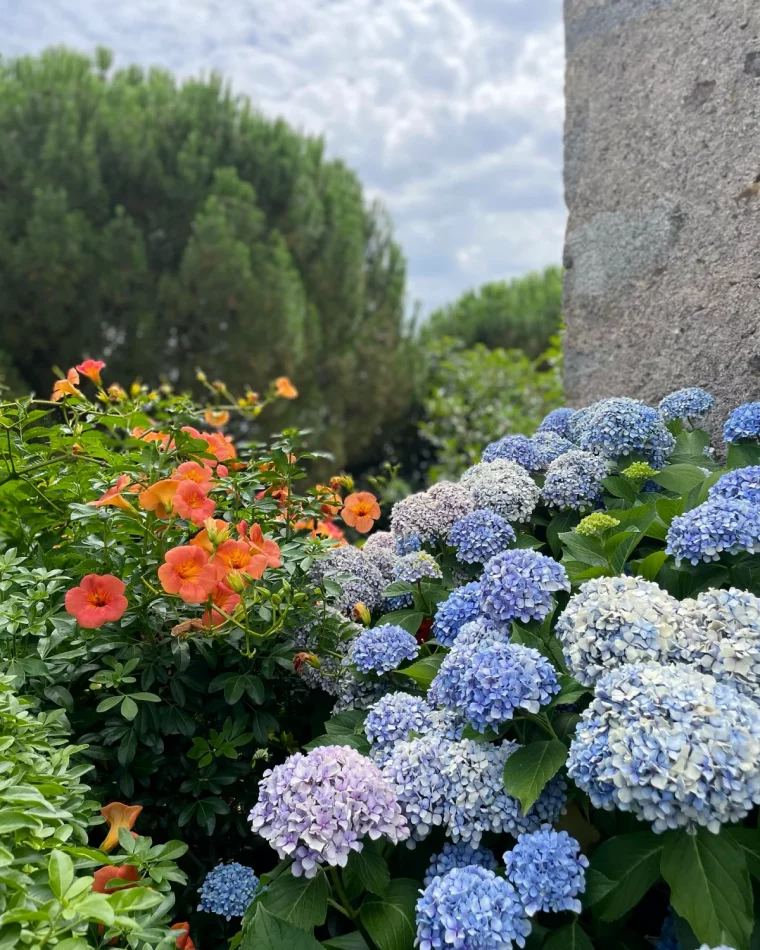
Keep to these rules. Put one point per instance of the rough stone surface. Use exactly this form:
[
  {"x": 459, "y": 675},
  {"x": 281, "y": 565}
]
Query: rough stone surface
[{"x": 662, "y": 182}]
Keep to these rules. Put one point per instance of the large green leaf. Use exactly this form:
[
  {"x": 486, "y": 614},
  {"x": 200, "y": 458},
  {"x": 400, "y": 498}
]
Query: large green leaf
[
  {"x": 741, "y": 454},
  {"x": 408, "y": 618},
  {"x": 267, "y": 932},
  {"x": 368, "y": 869},
  {"x": 649, "y": 567},
  {"x": 710, "y": 886},
  {"x": 298, "y": 900},
  {"x": 748, "y": 840},
  {"x": 390, "y": 919},
  {"x": 679, "y": 478},
  {"x": 353, "y": 941},
  {"x": 527, "y": 770},
  {"x": 571, "y": 937},
  {"x": 622, "y": 871},
  {"x": 581, "y": 548},
  {"x": 424, "y": 671}
]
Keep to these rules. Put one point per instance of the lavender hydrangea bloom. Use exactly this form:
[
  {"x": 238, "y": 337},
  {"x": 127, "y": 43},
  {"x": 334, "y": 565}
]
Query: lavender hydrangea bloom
[
  {"x": 228, "y": 890},
  {"x": 514, "y": 448},
  {"x": 547, "y": 870},
  {"x": 480, "y": 535},
  {"x": 719, "y": 633},
  {"x": 621, "y": 426},
  {"x": 489, "y": 684},
  {"x": 611, "y": 621},
  {"x": 742, "y": 484},
  {"x": 574, "y": 480},
  {"x": 392, "y": 719},
  {"x": 380, "y": 548},
  {"x": 360, "y": 579},
  {"x": 557, "y": 421},
  {"x": 470, "y": 909},
  {"x": 519, "y": 584},
  {"x": 317, "y": 808},
  {"x": 743, "y": 423},
  {"x": 459, "y": 855},
  {"x": 548, "y": 446},
  {"x": 673, "y": 746},
  {"x": 715, "y": 526},
  {"x": 690, "y": 403},
  {"x": 504, "y": 487},
  {"x": 427, "y": 516},
  {"x": 381, "y": 649},
  {"x": 460, "y": 607}
]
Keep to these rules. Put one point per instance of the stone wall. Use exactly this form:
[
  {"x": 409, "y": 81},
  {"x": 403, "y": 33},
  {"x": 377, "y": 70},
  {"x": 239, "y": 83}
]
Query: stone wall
[{"x": 662, "y": 183}]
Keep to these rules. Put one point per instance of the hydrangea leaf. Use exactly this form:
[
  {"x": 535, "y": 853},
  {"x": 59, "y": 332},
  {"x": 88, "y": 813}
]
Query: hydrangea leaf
[
  {"x": 529, "y": 769},
  {"x": 748, "y": 840},
  {"x": 649, "y": 566},
  {"x": 390, "y": 919},
  {"x": 297, "y": 900},
  {"x": 407, "y": 618},
  {"x": 271, "y": 932},
  {"x": 622, "y": 871},
  {"x": 353, "y": 941},
  {"x": 679, "y": 478},
  {"x": 569, "y": 938},
  {"x": 424, "y": 671},
  {"x": 710, "y": 886},
  {"x": 589, "y": 551},
  {"x": 368, "y": 867},
  {"x": 742, "y": 454}
]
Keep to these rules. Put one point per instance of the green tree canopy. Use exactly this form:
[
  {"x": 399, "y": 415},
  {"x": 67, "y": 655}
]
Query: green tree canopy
[{"x": 164, "y": 227}]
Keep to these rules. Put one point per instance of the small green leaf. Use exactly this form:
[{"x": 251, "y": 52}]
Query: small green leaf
[
  {"x": 60, "y": 872},
  {"x": 589, "y": 551},
  {"x": 424, "y": 671},
  {"x": 130, "y": 899},
  {"x": 742, "y": 454},
  {"x": 128, "y": 708},
  {"x": 108, "y": 703},
  {"x": 529, "y": 768}
]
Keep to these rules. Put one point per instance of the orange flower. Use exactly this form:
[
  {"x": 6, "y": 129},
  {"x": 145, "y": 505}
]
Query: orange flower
[
  {"x": 103, "y": 876},
  {"x": 113, "y": 496},
  {"x": 159, "y": 498},
  {"x": 219, "y": 444},
  {"x": 203, "y": 539},
  {"x": 330, "y": 501},
  {"x": 279, "y": 493},
  {"x": 118, "y": 815},
  {"x": 360, "y": 511},
  {"x": 328, "y": 529},
  {"x": 233, "y": 556},
  {"x": 183, "y": 939},
  {"x": 91, "y": 369},
  {"x": 147, "y": 435},
  {"x": 216, "y": 418},
  {"x": 99, "y": 599},
  {"x": 66, "y": 387},
  {"x": 194, "y": 472},
  {"x": 265, "y": 552},
  {"x": 187, "y": 572},
  {"x": 284, "y": 387},
  {"x": 226, "y": 600},
  {"x": 192, "y": 502}
]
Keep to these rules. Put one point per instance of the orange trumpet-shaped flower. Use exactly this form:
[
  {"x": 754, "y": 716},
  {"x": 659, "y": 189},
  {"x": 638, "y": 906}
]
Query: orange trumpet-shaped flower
[
  {"x": 99, "y": 599},
  {"x": 159, "y": 498},
  {"x": 223, "y": 598},
  {"x": 118, "y": 815},
  {"x": 66, "y": 387},
  {"x": 216, "y": 418},
  {"x": 91, "y": 369},
  {"x": 187, "y": 572},
  {"x": 330, "y": 500},
  {"x": 206, "y": 539},
  {"x": 232, "y": 556},
  {"x": 194, "y": 472},
  {"x": 113, "y": 496},
  {"x": 284, "y": 388},
  {"x": 183, "y": 938},
  {"x": 265, "y": 552},
  {"x": 219, "y": 445},
  {"x": 192, "y": 502},
  {"x": 360, "y": 511},
  {"x": 127, "y": 872}
]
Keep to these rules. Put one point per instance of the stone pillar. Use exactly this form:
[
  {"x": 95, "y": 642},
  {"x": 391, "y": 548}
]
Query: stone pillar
[{"x": 662, "y": 183}]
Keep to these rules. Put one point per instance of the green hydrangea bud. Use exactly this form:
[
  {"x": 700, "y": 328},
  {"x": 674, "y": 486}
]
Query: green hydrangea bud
[
  {"x": 596, "y": 523},
  {"x": 639, "y": 470}
]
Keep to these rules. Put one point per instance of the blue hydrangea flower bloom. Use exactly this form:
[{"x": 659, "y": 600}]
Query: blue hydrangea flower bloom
[
  {"x": 480, "y": 535},
  {"x": 412, "y": 568},
  {"x": 470, "y": 909},
  {"x": 460, "y": 607},
  {"x": 557, "y": 421},
  {"x": 690, "y": 403},
  {"x": 715, "y": 526},
  {"x": 426, "y": 516},
  {"x": 621, "y": 426},
  {"x": 514, "y": 448},
  {"x": 668, "y": 939},
  {"x": 391, "y": 720},
  {"x": 228, "y": 890},
  {"x": 381, "y": 649},
  {"x": 548, "y": 446},
  {"x": 574, "y": 480},
  {"x": 414, "y": 769},
  {"x": 360, "y": 580},
  {"x": 460, "y": 855},
  {"x": 489, "y": 684},
  {"x": 519, "y": 584},
  {"x": 547, "y": 870},
  {"x": 741, "y": 483},
  {"x": 408, "y": 544},
  {"x": 743, "y": 423},
  {"x": 673, "y": 746}
]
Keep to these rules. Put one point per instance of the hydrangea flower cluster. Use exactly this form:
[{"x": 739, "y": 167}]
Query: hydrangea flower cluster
[
  {"x": 412, "y": 568},
  {"x": 480, "y": 535},
  {"x": 361, "y": 581},
  {"x": 743, "y": 423},
  {"x": 621, "y": 426},
  {"x": 548, "y": 446},
  {"x": 414, "y": 771},
  {"x": 673, "y": 746},
  {"x": 741, "y": 483},
  {"x": 557, "y": 421},
  {"x": 228, "y": 890},
  {"x": 359, "y": 694},
  {"x": 596, "y": 523},
  {"x": 547, "y": 870},
  {"x": 514, "y": 448},
  {"x": 380, "y": 548},
  {"x": 489, "y": 684},
  {"x": 307, "y": 639},
  {"x": 425, "y": 517},
  {"x": 460, "y": 855},
  {"x": 715, "y": 526},
  {"x": 504, "y": 487},
  {"x": 574, "y": 480},
  {"x": 392, "y": 719},
  {"x": 470, "y": 909},
  {"x": 719, "y": 633},
  {"x": 460, "y": 607},
  {"x": 690, "y": 403},
  {"x": 381, "y": 649},
  {"x": 519, "y": 585},
  {"x": 611, "y": 621},
  {"x": 317, "y": 808}
]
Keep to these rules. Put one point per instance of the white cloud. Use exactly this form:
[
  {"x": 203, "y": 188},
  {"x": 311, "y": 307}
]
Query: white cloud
[{"x": 450, "y": 110}]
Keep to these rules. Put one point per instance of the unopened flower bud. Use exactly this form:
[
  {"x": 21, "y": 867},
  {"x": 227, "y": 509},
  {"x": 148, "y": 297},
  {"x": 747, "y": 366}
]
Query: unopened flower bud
[
  {"x": 361, "y": 614},
  {"x": 302, "y": 659},
  {"x": 135, "y": 388},
  {"x": 235, "y": 581},
  {"x": 216, "y": 535}
]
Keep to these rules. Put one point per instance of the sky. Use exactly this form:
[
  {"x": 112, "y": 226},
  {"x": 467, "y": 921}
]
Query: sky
[{"x": 449, "y": 110}]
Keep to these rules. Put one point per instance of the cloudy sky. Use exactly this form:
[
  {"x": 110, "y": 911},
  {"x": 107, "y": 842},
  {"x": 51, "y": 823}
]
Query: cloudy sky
[{"x": 450, "y": 110}]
